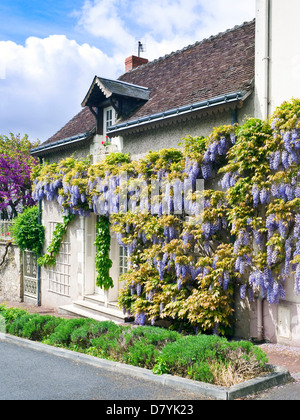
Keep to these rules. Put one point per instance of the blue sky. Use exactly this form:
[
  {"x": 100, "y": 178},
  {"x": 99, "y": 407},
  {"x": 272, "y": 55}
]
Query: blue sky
[
  {"x": 23, "y": 18},
  {"x": 50, "y": 50}
]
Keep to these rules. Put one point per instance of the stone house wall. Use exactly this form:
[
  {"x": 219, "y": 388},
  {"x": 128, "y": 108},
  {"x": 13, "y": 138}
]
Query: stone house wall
[{"x": 11, "y": 277}]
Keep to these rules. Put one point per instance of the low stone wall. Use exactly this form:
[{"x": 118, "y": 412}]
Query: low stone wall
[{"x": 11, "y": 278}]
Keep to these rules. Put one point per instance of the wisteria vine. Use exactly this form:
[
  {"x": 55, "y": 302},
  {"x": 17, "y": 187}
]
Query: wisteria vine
[{"x": 183, "y": 269}]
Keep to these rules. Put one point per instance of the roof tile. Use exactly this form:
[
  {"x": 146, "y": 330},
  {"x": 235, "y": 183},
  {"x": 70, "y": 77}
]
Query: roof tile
[
  {"x": 219, "y": 65},
  {"x": 216, "y": 66}
]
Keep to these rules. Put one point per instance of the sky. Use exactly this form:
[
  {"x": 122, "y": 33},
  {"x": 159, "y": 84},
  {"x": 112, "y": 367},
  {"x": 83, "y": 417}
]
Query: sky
[{"x": 51, "y": 50}]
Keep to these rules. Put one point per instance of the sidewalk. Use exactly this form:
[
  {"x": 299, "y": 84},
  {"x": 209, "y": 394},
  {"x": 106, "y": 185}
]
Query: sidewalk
[
  {"x": 285, "y": 356},
  {"x": 43, "y": 310},
  {"x": 279, "y": 355}
]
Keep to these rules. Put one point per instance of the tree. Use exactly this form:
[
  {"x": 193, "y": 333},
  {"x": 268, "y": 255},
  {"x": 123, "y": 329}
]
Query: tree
[{"x": 16, "y": 165}]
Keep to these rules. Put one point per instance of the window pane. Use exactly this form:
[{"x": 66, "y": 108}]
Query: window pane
[{"x": 123, "y": 262}]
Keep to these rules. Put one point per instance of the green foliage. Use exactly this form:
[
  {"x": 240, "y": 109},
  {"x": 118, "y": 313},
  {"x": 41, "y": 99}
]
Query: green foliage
[
  {"x": 199, "y": 357},
  {"x": 196, "y": 357},
  {"x": 81, "y": 337},
  {"x": 12, "y": 145},
  {"x": 103, "y": 262},
  {"x": 136, "y": 346},
  {"x": 62, "y": 333},
  {"x": 11, "y": 314},
  {"x": 28, "y": 233},
  {"x": 286, "y": 116},
  {"x": 49, "y": 258},
  {"x": 248, "y": 239},
  {"x": 34, "y": 326}
]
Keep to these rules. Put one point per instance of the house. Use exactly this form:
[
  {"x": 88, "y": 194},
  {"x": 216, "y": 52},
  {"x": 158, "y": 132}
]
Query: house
[{"x": 153, "y": 105}]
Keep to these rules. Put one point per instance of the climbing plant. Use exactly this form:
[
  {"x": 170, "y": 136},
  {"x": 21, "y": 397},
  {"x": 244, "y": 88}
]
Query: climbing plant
[
  {"x": 183, "y": 267},
  {"x": 103, "y": 262},
  {"x": 49, "y": 258}
]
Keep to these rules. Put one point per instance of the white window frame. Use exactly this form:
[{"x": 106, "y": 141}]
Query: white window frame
[
  {"x": 109, "y": 118},
  {"x": 123, "y": 260},
  {"x": 59, "y": 276}
]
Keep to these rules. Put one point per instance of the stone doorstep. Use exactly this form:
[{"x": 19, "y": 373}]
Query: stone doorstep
[
  {"x": 88, "y": 309},
  {"x": 278, "y": 376}
]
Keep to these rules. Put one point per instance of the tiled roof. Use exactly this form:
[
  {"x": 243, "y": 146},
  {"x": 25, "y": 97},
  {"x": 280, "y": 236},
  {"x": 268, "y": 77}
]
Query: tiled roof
[
  {"x": 219, "y": 65},
  {"x": 216, "y": 66},
  {"x": 83, "y": 122}
]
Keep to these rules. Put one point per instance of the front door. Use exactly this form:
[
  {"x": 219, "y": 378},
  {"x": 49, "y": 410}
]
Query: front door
[
  {"x": 91, "y": 287},
  {"x": 90, "y": 253}
]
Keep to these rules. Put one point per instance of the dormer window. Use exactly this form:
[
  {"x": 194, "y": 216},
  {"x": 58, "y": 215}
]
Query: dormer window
[
  {"x": 109, "y": 119},
  {"x": 122, "y": 97}
]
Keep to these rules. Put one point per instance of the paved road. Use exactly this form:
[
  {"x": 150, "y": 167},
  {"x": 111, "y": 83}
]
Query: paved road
[
  {"x": 27, "y": 374},
  {"x": 30, "y": 374},
  {"x": 288, "y": 392}
]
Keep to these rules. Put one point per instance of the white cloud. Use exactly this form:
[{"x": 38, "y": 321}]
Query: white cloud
[
  {"x": 164, "y": 25},
  {"x": 45, "y": 81},
  {"x": 165, "y": 19},
  {"x": 102, "y": 18}
]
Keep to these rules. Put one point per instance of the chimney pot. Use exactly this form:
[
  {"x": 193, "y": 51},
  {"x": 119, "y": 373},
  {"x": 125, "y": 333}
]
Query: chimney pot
[{"x": 133, "y": 62}]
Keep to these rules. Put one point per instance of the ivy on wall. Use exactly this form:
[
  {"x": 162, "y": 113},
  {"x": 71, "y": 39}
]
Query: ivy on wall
[
  {"x": 103, "y": 262},
  {"x": 249, "y": 234},
  {"x": 49, "y": 258}
]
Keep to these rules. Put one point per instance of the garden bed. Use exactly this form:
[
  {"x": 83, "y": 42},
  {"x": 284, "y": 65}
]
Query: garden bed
[{"x": 204, "y": 358}]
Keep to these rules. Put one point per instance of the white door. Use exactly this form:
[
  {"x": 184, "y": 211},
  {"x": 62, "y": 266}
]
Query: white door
[
  {"x": 91, "y": 287},
  {"x": 90, "y": 253}
]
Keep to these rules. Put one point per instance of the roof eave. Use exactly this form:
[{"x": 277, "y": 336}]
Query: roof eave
[
  {"x": 52, "y": 147},
  {"x": 235, "y": 97}
]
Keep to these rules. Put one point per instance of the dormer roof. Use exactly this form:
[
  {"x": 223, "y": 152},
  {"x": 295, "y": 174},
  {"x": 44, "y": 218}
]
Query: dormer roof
[{"x": 102, "y": 89}]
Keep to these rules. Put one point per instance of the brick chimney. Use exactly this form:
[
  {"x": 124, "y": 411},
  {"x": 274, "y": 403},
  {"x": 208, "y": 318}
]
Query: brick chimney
[{"x": 133, "y": 62}]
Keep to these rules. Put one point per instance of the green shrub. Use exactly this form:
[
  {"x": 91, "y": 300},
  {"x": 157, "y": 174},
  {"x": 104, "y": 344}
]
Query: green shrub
[
  {"x": 201, "y": 371},
  {"x": 139, "y": 346},
  {"x": 189, "y": 350},
  {"x": 62, "y": 333},
  {"x": 141, "y": 354},
  {"x": 108, "y": 341},
  {"x": 28, "y": 233},
  {"x": 17, "y": 326},
  {"x": 206, "y": 358},
  {"x": 33, "y": 326},
  {"x": 202, "y": 357},
  {"x": 50, "y": 326},
  {"x": 81, "y": 337},
  {"x": 152, "y": 335},
  {"x": 11, "y": 314}
]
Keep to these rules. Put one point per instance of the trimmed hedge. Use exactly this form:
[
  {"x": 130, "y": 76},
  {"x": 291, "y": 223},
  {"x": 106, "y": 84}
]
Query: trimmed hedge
[{"x": 201, "y": 357}]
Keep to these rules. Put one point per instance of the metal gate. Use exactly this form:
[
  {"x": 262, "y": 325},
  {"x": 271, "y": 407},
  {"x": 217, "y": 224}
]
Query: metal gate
[{"x": 30, "y": 274}]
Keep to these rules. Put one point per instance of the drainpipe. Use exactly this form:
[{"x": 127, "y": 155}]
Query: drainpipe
[
  {"x": 234, "y": 116},
  {"x": 38, "y": 267},
  {"x": 267, "y": 57},
  {"x": 260, "y": 319}
]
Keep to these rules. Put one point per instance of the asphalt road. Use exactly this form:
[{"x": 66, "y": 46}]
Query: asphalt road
[{"x": 28, "y": 374}]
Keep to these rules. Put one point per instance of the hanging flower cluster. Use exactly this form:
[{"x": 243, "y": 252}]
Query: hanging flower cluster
[{"x": 189, "y": 248}]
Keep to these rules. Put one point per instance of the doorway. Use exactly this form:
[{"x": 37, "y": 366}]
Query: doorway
[{"x": 91, "y": 288}]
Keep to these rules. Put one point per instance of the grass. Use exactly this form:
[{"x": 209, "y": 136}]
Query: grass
[{"x": 205, "y": 358}]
